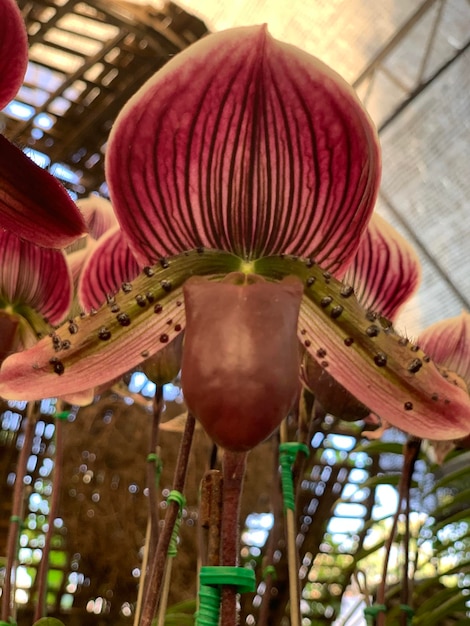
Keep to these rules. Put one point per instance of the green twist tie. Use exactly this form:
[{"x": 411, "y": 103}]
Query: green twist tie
[
  {"x": 269, "y": 570},
  {"x": 209, "y": 606},
  {"x": 371, "y": 612},
  {"x": 242, "y": 578},
  {"x": 63, "y": 415},
  {"x": 287, "y": 455},
  {"x": 154, "y": 458},
  {"x": 409, "y": 612},
  {"x": 175, "y": 496},
  {"x": 211, "y": 578}
]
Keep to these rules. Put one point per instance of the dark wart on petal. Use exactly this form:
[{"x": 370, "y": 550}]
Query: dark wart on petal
[
  {"x": 380, "y": 359},
  {"x": 73, "y": 328},
  {"x": 415, "y": 366},
  {"x": 408, "y": 406},
  {"x": 326, "y": 301},
  {"x": 347, "y": 291},
  {"x": 57, "y": 365},
  {"x": 372, "y": 331},
  {"x": 104, "y": 334},
  {"x": 336, "y": 311},
  {"x": 123, "y": 319},
  {"x": 310, "y": 281},
  {"x": 126, "y": 287}
]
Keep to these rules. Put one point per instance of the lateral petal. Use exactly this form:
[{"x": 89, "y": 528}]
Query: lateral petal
[
  {"x": 90, "y": 351},
  {"x": 13, "y": 51},
  {"x": 385, "y": 271},
  {"x": 33, "y": 204},
  {"x": 245, "y": 144},
  {"x": 386, "y": 372}
]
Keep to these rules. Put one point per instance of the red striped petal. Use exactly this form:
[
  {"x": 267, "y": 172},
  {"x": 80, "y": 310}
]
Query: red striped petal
[
  {"x": 245, "y": 144},
  {"x": 448, "y": 343},
  {"x": 13, "y": 50},
  {"x": 385, "y": 271},
  {"x": 34, "y": 278},
  {"x": 33, "y": 204},
  {"x": 109, "y": 265}
]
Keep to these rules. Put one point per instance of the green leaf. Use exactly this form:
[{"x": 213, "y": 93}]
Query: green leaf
[{"x": 48, "y": 621}]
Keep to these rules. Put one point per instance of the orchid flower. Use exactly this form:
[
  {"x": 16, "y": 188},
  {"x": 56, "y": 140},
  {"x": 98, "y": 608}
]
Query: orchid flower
[
  {"x": 238, "y": 164},
  {"x": 33, "y": 204},
  {"x": 35, "y": 292}
]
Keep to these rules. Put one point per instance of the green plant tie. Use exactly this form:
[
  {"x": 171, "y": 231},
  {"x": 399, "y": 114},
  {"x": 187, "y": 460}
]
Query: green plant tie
[
  {"x": 287, "y": 455},
  {"x": 154, "y": 458},
  {"x": 175, "y": 496},
  {"x": 15, "y": 519},
  {"x": 269, "y": 570},
  {"x": 63, "y": 415},
  {"x": 409, "y": 613},
  {"x": 371, "y": 612},
  {"x": 211, "y": 579}
]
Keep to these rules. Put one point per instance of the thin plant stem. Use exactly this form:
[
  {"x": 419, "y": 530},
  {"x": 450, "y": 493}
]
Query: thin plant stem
[
  {"x": 41, "y": 606},
  {"x": 292, "y": 559},
  {"x": 143, "y": 578},
  {"x": 8, "y": 603},
  {"x": 157, "y": 567},
  {"x": 273, "y": 541},
  {"x": 152, "y": 467},
  {"x": 410, "y": 453},
  {"x": 413, "y": 448},
  {"x": 165, "y": 591},
  {"x": 210, "y": 514},
  {"x": 151, "y": 532},
  {"x": 234, "y": 466}
]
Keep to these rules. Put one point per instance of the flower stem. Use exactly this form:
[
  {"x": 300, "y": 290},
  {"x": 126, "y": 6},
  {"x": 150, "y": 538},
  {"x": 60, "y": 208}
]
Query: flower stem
[
  {"x": 292, "y": 561},
  {"x": 410, "y": 453},
  {"x": 41, "y": 606},
  {"x": 157, "y": 568},
  {"x": 234, "y": 465},
  {"x": 8, "y": 604}
]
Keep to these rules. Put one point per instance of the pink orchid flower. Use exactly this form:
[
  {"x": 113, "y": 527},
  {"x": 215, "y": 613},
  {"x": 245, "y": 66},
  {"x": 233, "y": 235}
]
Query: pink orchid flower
[
  {"x": 35, "y": 292},
  {"x": 241, "y": 161},
  {"x": 33, "y": 204}
]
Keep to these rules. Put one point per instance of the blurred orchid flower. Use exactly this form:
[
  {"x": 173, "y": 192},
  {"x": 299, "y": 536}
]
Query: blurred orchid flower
[
  {"x": 35, "y": 292},
  {"x": 448, "y": 343},
  {"x": 241, "y": 161},
  {"x": 33, "y": 204}
]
